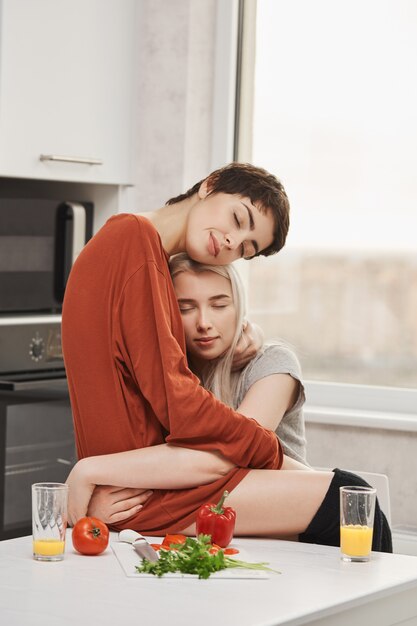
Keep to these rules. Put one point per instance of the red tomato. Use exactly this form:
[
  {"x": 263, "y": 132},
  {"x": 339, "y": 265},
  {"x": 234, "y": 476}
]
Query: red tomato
[
  {"x": 231, "y": 551},
  {"x": 214, "y": 548},
  {"x": 90, "y": 536},
  {"x": 156, "y": 546},
  {"x": 169, "y": 539}
]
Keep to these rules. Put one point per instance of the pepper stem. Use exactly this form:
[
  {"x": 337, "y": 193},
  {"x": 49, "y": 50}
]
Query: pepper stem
[{"x": 219, "y": 506}]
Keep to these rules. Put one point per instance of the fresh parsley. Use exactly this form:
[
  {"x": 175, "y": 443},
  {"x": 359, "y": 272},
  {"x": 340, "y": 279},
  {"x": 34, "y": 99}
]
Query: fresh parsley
[{"x": 194, "y": 557}]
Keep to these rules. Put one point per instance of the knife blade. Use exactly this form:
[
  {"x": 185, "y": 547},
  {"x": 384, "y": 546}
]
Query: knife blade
[{"x": 145, "y": 550}]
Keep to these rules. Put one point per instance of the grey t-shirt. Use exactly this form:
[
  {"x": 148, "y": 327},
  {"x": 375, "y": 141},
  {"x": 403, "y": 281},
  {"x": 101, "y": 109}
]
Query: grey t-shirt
[{"x": 278, "y": 359}]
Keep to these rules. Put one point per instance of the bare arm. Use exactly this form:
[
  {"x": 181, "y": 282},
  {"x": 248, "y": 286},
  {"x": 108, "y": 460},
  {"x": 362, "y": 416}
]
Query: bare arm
[
  {"x": 156, "y": 467},
  {"x": 146, "y": 468},
  {"x": 269, "y": 399}
]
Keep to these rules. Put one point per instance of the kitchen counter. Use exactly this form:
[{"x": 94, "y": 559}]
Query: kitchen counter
[{"x": 315, "y": 587}]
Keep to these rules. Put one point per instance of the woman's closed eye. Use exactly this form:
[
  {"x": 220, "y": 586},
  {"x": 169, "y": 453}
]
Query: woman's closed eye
[
  {"x": 237, "y": 221},
  {"x": 247, "y": 251}
]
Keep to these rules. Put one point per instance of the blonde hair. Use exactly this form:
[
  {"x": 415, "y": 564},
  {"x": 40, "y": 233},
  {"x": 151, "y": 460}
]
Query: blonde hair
[{"x": 217, "y": 375}]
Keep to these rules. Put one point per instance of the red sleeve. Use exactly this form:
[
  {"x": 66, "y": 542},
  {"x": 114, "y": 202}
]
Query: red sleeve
[{"x": 193, "y": 417}]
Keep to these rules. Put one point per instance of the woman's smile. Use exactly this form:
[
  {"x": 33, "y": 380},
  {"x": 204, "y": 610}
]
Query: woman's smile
[
  {"x": 213, "y": 245},
  {"x": 205, "y": 342}
]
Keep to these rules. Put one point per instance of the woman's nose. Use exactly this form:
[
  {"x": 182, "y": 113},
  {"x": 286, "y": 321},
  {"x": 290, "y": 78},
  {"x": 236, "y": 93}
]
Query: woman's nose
[
  {"x": 230, "y": 242},
  {"x": 203, "y": 322}
]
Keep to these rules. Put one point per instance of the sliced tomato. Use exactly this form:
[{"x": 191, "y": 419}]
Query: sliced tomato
[
  {"x": 156, "y": 546},
  {"x": 231, "y": 551},
  {"x": 170, "y": 539}
]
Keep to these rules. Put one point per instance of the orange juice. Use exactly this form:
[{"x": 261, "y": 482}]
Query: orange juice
[
  {"x": 355, "y": 540},
  {"x": 48, "y": 547}
]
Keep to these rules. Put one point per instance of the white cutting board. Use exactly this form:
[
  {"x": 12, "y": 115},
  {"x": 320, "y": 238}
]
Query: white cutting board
[{"x": 128, "y": 559}]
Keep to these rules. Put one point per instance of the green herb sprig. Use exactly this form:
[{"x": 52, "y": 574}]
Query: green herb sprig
[{"x": 193, "y": 557}]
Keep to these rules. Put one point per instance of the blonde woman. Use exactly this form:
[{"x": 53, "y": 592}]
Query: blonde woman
[{"x": 211, "y": 300}]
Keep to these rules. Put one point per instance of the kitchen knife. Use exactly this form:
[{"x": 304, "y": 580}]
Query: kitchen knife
[{"x": 145, "y": 550}]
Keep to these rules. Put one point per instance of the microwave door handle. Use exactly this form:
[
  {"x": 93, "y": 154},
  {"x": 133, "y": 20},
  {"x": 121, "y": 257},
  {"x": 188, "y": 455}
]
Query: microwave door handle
[
  {"x": 78, "y": 229},
  {"x": 74, "y": 213}
]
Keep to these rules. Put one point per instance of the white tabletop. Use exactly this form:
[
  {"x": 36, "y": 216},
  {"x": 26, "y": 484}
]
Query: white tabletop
[{"x": 315, "y": 587}]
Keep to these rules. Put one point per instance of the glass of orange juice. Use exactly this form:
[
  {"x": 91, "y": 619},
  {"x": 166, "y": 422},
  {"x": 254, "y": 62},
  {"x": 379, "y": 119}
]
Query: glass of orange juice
[
  {"x": 49, "y": 520},
  {"x": 357, "y": 511}
]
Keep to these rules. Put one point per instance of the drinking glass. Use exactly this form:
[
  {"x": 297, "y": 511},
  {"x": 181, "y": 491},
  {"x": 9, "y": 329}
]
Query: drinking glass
[
  {"x": 49, "y": 520},
  {"x": 357, "y": 511}
]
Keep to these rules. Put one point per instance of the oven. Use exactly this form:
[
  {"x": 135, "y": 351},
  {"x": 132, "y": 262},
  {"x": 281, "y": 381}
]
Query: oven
[{"x": 36, "y": 429}]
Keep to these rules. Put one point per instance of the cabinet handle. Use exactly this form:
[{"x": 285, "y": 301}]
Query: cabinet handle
[{"x": 70, "y": 159}]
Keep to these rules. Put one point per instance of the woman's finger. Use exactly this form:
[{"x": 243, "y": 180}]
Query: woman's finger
[
  {"x": 242, "y": 344},
  {"x": 144, "y": 497},
  {"x": 123, "y": 515},
  {"x": 129, "y": 503},
  {"x": 127, "y": 492}
]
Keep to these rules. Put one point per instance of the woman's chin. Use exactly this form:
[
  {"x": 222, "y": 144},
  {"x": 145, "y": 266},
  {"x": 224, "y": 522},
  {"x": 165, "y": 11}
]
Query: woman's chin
[
  {"x": 202, "y": 254},
  {"x": 209, "y": 355}
]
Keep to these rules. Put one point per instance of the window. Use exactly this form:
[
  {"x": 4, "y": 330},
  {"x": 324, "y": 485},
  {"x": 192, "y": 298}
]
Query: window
[{"x": 334, "y": 115}]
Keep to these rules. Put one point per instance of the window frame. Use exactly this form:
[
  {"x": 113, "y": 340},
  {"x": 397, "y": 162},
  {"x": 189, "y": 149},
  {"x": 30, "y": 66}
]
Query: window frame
[{"x": 327, "y": 402}]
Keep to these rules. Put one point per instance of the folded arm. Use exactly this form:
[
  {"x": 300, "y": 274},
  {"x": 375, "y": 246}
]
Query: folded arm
[
  {"x": 156, "y": 467},
  {"x": 266, "y": 401},
  {"x": 152, "y": 468}
]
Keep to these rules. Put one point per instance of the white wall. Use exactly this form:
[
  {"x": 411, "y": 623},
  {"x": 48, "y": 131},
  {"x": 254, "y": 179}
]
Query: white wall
[{"x": 171, "y": 143}]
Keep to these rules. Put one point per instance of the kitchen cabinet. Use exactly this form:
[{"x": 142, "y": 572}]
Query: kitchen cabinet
[{"x": 66, "y": 74}]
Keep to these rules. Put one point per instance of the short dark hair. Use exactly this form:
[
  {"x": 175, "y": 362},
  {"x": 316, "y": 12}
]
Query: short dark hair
[{"x": 255, "y": 183}]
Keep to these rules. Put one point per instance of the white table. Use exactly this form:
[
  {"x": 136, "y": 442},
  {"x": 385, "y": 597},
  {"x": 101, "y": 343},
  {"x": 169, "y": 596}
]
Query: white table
[{"x": 315, "y": 587}]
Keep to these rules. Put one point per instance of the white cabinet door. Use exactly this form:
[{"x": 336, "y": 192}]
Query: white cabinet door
[{"x": 66, "y": 72}]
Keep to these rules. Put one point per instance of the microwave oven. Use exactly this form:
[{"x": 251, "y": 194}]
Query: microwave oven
[{"x": 39, "y": 241}]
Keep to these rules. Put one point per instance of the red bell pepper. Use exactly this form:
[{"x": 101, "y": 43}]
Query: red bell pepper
[{"x": 216, "y": 520}]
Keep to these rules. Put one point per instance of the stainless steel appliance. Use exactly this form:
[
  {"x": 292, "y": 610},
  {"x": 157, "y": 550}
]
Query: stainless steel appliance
[
  {"x": 36, "y": 431},
  {"x": 30, "y": 352},
  {"x": 39, "y": 241}
]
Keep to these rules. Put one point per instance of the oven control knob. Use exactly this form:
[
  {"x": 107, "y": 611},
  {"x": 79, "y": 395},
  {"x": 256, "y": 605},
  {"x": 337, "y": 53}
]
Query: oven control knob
[{"x": 36, "y": 349}]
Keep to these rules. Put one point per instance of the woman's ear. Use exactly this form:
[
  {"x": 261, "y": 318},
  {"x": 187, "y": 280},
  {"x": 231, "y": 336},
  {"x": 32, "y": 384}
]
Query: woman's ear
[{"x": 204, "y": 189}]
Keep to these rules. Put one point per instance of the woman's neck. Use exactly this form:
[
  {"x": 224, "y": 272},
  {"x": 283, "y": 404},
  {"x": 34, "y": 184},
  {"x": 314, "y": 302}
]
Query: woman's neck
[
  {"x": 198, "y": 366},
  {"x": 171, "y": 223}
]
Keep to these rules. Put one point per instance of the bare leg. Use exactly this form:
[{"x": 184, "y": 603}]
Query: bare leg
[
  {"x": 278, "y": 504},
  {"x": 291, "y": 464}
]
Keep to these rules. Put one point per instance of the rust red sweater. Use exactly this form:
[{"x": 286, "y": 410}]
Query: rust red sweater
[{"x": 129, "y": 383}]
